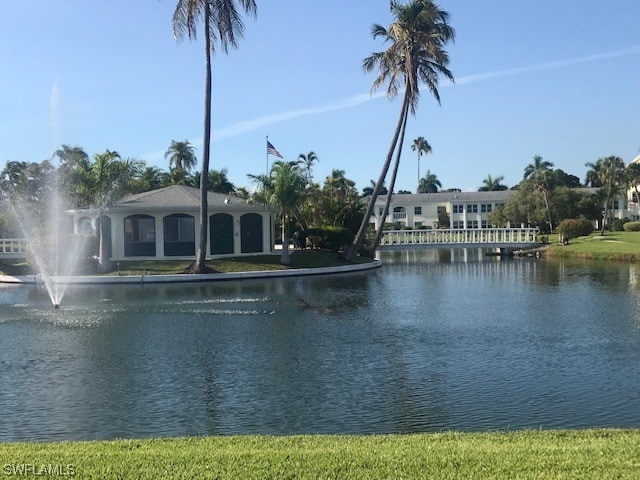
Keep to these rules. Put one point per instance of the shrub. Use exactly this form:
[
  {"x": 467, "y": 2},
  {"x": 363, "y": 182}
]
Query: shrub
[
  {"x": 574, "y": 227},
  {"x": 618, "y": 224},
  {"x": 632, "y": 227},
  {"x": 331, "y": 238}
]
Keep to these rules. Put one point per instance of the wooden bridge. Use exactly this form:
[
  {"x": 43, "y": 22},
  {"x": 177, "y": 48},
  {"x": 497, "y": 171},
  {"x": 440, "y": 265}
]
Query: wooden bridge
[{"x": 503, "y": 238}]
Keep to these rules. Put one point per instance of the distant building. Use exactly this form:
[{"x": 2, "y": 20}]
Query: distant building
[
  {"x": 164, "y": 224},
  {"x": 632, "y": 198},
  {"x": 466, "y": 210}
]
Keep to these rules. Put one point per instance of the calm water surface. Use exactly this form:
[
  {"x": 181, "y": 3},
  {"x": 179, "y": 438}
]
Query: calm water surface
[{"x": 435, "y": 340}]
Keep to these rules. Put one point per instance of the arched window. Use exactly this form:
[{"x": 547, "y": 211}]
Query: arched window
[
  {"x": 139, "y": 236},
  {"x": 179, "y": 235}
]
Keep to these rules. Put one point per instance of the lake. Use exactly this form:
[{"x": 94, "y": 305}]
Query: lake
[{"x": 434, "y": 340}]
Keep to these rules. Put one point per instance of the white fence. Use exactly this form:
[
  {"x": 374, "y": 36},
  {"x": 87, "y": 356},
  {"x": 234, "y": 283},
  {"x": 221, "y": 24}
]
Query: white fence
[
  {"x": 491, "y": 237},
  {"x": 13, "y": 247}
]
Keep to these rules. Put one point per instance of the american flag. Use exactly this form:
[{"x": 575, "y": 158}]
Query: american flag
[{"x": 271, "y": 150}]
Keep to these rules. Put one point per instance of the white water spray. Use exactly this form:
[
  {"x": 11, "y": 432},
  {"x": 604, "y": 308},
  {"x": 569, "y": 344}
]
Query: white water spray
[{"x": 52, "y": 248}]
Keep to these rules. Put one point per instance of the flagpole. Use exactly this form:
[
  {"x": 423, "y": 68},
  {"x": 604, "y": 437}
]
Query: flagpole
[{"x": 267, "y": 149}]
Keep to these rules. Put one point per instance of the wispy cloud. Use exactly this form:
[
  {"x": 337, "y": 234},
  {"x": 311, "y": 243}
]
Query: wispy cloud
[
  {"x": 467, "y": 79},
  {"x": 267, "y": 120},
  {"x": 260, "y": 123}
]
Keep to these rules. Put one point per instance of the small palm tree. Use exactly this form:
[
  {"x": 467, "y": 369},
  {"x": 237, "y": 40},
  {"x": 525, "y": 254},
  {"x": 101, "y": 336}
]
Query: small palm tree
[
  {"x": 223, "y": 25},
  {"x": 421, "y": 146},
  {"x": 284, "y": 190},
  {"x": 491, "y": 184},
  {"x": 111, "y": 178},
  {"x": 429, "y": 183},
  {"x": 537, "y": 165},
  {"x": 308, "y": 160},
  {"x": 368, "y": 190},
  {"x": 219, "y": 183},
  {"x": 611, "y": 174},
  {"x": 182, "y": 159}
]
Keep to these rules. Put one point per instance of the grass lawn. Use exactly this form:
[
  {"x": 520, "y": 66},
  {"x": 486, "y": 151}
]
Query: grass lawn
[
  {"x": 611, "y": 246},
  {"x": 299, "y": 259},
  {"x": 580, "y": 454}
]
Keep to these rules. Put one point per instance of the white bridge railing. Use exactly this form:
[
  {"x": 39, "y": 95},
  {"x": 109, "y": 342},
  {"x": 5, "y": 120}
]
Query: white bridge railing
[
  {"x": 13, "y": 247},
  {"x": 473, "y": 236}
]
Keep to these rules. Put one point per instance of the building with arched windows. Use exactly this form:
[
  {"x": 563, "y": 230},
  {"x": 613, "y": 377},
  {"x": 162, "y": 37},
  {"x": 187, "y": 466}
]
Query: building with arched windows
[{"x": 164, "y": 224}]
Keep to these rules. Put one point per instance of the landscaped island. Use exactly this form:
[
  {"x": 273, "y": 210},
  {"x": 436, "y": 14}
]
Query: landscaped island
[
  {"x": 299, "y": 259},
  {"x": 563, "y": 454}
]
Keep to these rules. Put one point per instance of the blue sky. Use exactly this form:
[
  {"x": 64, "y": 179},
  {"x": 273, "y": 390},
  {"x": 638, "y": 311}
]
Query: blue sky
[{"x": 560, "y": 79}]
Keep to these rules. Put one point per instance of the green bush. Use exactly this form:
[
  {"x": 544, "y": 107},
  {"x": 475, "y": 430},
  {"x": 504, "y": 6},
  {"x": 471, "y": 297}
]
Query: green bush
[
  {"x": 330, "y": 238},
  {"x": 618, "y": 224},
  {"x": 632, "y": 227},
  {"x": 574, "y": 227}
]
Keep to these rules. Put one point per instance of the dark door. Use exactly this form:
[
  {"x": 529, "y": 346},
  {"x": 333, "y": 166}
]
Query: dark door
[
  {"x": 221, "y": 233},
  {"x": 251, "y": 233}
]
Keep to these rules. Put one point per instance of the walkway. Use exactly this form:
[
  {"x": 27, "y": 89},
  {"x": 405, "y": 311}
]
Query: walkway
[{"x": 469, "y": 238}]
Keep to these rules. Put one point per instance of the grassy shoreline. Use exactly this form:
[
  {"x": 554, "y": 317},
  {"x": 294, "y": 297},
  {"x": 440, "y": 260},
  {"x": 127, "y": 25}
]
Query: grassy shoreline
[
  {"x": 619, "y": 246},
  {"x": 520, "y": 454}
]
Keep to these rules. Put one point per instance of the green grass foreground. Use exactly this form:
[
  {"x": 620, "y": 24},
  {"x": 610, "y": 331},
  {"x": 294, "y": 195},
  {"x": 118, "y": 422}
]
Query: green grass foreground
[
  {"x": 600, "y": 454},
  {"x": 611, "y": 246}
]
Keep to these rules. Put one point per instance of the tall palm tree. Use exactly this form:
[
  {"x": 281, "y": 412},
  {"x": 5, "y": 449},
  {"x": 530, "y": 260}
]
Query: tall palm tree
[
  {"x": 416, "y": 55},
  {"x": 182, "y": 158},
  {"x": 308, "y": 160},
  {"x": 421, "y": 146},
  {"x": 537, "y": 165},
  {"x": 429, "y": 183},
  {"x": 284, "y": 190},
  {"x": 611, "y": 175},
  {"x": 491, "y": 184},
  {"x": 222, "y": 25},
  {"x": 394, "y": 173}
]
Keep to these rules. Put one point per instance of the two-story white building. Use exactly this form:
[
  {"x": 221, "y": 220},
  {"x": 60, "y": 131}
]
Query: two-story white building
[{"x": 468, "y": 210}]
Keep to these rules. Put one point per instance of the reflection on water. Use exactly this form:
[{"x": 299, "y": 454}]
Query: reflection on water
[{"x": 434, "y": 340}]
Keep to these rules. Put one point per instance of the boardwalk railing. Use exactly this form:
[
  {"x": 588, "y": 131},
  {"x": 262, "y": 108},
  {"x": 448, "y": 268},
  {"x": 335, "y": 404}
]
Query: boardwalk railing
[
  {"x": 13, "y": 247},
  {"x": 490, "y": 237}
]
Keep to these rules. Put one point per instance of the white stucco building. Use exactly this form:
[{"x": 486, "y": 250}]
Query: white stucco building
[{"x": 164, "y": 224}]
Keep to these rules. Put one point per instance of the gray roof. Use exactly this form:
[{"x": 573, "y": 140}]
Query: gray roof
[{"x": 181, "y": 197}]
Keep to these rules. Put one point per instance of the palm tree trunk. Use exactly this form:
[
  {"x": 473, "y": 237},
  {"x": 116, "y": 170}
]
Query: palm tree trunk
[
  {"x": 546, "y": 203},
  {"x": 104, "y": 263},
  {"x": 285, "y": 259},
  {"x": 394, "y": 173},
  {"x": 359, "y": 238},
  {"x": 200, "y": 266},
  {"x": 605, "y": 213}
]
